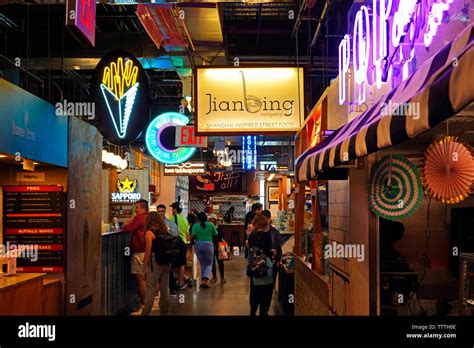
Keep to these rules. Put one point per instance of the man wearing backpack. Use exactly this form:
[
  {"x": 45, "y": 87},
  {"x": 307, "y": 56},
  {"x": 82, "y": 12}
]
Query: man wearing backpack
[
  {"x": 260, "y": 266},
  {"x": 173, "y": 230},
  {"x": 161, "y": 249}
]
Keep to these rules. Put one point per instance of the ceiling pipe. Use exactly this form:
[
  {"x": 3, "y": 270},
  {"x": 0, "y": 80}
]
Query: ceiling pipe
[{"x": 327, "y": 4}]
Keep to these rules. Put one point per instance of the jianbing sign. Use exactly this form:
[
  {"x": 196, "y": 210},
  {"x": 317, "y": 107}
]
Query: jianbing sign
[{"x": 249, "y": 100}]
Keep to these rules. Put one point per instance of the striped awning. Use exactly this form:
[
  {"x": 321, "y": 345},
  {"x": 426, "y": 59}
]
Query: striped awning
[{"x": 442, "y": 86}]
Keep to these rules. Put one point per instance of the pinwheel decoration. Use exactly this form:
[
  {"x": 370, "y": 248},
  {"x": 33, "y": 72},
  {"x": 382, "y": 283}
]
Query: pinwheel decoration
[
  {"x": 447, "y": 171},
  {"x": 396, "y": 190}
]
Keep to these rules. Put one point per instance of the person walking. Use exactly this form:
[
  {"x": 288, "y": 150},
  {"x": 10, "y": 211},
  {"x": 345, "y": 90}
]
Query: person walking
[
  {"x": 157, "y": 272},
  {"x": 216, "y": 240},
  {"x": 173, "y": 230},
  {"x": 203, "y": 233},
  {"x": 276, "y": 243},
  {"x": 136, "y": 226},
  {"x": 183, "y": 228},
  {"x": 261, "y": 288}
]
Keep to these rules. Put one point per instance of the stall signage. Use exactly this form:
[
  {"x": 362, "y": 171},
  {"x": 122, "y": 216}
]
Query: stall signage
[
  {"x": 80, "y": 14},
  {"x": 186, "y": 137},
  {"x": 126, "y": 191},
  {"x": 120, "y": 90},
  {"x": 249, "y": 100},
  {"x": 161, "y": 135},
  {"x": 30, "y": 127},
  {"x": 187, "y": 168},
  {"x": 218, "y": 182},
  {"x": 249, "y": 148},
  {"x": 383, "y": 40},
  {"x": 35, "y": 176},
  {"x": 34, "y": 226}
]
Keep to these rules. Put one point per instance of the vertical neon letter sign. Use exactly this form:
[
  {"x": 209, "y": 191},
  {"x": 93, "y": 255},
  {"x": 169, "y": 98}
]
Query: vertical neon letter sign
[
  {"x": 434, "y": 20},
  {"x": 361, "y": 52},
  {"x": 380, "y": 26},
  {"x": 344, "y": 60}
]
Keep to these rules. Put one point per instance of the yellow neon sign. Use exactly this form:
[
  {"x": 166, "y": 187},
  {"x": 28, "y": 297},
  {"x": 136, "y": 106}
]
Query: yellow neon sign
[{"x": 120, "y": 75}]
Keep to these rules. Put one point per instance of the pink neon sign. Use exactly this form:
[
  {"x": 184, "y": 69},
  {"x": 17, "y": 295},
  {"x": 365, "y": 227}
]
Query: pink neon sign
[{"x": 380, "y": 45}]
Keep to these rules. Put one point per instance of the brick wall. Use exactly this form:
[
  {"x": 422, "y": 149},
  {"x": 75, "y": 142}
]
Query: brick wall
[
  {"x": 339, "y": 214},
  {"x": 311, "y": 291}
]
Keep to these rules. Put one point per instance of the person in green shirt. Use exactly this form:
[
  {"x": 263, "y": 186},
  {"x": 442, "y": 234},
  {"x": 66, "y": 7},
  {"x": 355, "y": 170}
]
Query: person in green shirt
[
  {"x": 203, "y": 233},
  {"x": 182, "y": 224}
]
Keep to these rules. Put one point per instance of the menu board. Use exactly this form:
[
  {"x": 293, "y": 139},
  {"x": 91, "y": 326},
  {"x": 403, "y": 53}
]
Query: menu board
[
  {"x": 230, "y": 182},
  {"x": 33, "y": 220}
]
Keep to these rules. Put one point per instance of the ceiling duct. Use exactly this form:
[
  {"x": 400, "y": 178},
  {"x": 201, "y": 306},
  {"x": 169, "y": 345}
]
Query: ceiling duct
[{"x": 163, "y": 24}]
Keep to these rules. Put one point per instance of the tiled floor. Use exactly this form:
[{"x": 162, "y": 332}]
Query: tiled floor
[{"x": 231, "y": 298}]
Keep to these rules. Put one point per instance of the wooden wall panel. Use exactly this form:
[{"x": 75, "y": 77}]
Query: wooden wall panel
[{"x": 83, "y": 236}]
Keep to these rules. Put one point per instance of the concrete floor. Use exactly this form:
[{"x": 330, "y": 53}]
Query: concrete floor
[{"x": 231, "y": 298}]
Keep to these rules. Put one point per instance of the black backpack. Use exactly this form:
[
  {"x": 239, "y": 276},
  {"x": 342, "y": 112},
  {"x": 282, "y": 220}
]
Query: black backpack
[
  {"x": 257, "y": 262},
  {"x": 167, "y": 248}
]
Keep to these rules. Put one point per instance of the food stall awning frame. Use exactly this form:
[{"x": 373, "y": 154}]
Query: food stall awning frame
[{"x": 442, "y": 86}]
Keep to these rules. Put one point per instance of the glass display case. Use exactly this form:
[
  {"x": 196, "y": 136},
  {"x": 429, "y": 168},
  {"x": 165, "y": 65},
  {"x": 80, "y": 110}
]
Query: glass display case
[{"x": 466, "y": 284}]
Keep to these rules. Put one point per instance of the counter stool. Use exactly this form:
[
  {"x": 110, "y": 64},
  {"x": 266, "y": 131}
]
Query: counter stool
[{"x": 235, "y": 239}]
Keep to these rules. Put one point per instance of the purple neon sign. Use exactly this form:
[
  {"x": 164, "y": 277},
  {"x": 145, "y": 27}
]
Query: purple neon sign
[{"x": 384, "y": 37}]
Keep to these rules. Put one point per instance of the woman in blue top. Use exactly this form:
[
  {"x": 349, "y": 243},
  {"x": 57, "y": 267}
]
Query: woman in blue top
[{"x": 203, "y": 233}]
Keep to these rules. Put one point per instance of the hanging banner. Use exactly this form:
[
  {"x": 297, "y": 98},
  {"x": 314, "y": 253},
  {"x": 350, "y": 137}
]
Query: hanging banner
[
  {"x": 121, "y": 93},
  {"x": 80, "y": 15}
]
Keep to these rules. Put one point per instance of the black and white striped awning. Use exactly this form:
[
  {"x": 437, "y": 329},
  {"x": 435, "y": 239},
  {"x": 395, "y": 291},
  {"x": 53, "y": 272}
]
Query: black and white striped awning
[{"x": 443, "y": 86}]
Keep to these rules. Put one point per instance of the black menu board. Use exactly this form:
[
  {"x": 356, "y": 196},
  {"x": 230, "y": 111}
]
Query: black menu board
[
  {"x": 33, "y": 220},
  {"x": 228, "y": 182}
]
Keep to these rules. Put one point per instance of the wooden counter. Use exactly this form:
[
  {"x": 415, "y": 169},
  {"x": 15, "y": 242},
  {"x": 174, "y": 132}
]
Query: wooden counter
[
  {"x": 21, "y": 294},
  {"x": 228, "y": 228}
]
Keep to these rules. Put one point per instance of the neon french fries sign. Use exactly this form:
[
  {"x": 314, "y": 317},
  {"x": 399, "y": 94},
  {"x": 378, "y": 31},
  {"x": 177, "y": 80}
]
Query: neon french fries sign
[
  {"x": 119, "y": 88},
  {"x": 383, "y": 41},
  {"x": 121, "y": 93}
]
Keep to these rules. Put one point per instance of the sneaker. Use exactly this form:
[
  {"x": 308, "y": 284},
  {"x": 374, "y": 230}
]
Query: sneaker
[
  {"x": 205, "y": 286},
  {"x": 223, "y": 281},
  {"x": 173, "y": 296},
  {"x": 138, "y": 311},
  {"x": 182, "y": 287},
  {"x": 213, "y": 280}
]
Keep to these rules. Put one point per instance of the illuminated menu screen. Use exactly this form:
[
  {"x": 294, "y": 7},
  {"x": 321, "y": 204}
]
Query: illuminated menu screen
[{"x": 33, "y": 222}]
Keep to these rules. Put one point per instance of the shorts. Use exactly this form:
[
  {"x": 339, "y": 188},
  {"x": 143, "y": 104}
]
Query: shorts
[
  {"x": 181, "y": 261},
  {"x": 136, "y": 263}
]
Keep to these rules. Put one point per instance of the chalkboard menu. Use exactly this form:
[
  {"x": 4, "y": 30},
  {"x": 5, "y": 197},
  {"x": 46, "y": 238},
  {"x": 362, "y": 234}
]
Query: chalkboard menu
[
  {"x": 33, "y": 220},
  {"x": 231, "y": 182}
]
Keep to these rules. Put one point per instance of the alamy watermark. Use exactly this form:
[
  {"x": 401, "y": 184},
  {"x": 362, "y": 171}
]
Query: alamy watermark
[
  {"x": 411, "y": 109},
  {"x": 22, "y": 251},
  {"x": 84, "y": 109},
  {"x": 344, "y": 251},
  {"x": 28, "y": 330}
]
